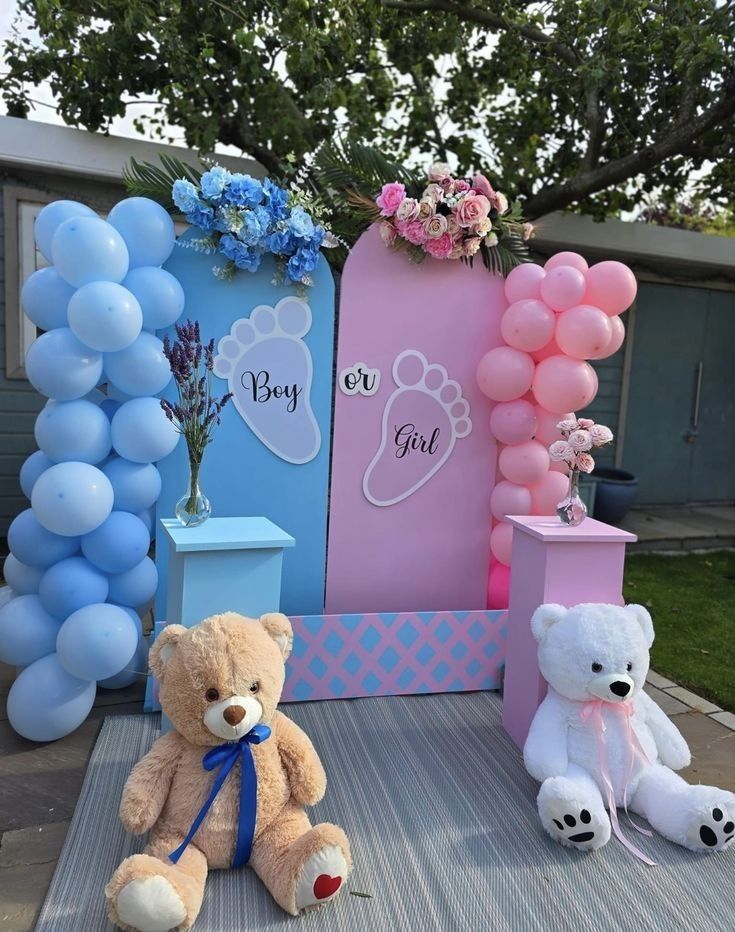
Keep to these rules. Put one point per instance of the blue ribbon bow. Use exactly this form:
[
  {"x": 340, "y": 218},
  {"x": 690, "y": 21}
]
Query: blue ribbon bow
[{"x": 225, "y": 757}]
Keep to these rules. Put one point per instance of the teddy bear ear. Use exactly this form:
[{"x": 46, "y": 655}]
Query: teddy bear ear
[
  {"x": 163, "y": 648},
  {"x": 279, "y": 628},
  {"x": 643, "y": 617},
  {"x": 544, "y": 617}
]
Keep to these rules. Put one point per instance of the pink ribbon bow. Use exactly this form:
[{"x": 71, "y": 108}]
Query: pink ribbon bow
[{"x": 592, "y": 711}]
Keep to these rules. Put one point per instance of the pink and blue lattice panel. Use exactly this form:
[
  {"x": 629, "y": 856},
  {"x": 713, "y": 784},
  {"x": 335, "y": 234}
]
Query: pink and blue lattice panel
[{"x": 389, "y": 654}]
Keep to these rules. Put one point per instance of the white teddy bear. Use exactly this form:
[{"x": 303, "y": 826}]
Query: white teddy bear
[{"x": 598, "y": 741}]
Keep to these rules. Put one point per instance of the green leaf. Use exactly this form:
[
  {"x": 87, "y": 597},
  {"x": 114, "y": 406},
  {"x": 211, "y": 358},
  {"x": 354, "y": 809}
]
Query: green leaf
[{"x": 142, "y": 179}]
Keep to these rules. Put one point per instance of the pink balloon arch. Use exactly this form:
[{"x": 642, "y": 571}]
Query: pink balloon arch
[{"x": 560, "y": 316}]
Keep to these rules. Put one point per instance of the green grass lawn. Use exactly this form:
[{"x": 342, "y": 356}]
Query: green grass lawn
[{"x": 692, "y": 601}]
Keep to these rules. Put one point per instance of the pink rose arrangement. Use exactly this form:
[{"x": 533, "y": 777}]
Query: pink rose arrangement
[
  {"x": 453, "y": 218},
  {"x": 580, "y": 436}
]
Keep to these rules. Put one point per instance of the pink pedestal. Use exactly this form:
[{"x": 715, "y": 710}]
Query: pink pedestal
[{"x": 552, "y": 563}]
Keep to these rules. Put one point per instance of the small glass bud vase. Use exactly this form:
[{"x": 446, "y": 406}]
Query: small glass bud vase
[
  {"x": 194, "y": 507},
  {"x": 572, "y": 510}
]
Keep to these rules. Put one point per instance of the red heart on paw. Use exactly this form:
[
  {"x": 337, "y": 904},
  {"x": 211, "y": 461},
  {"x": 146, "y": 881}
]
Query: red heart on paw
[{"x": 326, "y": 886}]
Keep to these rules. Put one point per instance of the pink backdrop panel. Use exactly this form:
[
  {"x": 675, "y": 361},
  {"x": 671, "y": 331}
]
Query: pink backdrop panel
[{"x": 413, "y": 463}]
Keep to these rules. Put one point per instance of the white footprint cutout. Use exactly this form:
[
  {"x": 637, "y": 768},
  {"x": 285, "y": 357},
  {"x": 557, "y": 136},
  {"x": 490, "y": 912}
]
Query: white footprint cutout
[
  {"x": 269, "y": 370},
  {"x": 422, "y": 420}
]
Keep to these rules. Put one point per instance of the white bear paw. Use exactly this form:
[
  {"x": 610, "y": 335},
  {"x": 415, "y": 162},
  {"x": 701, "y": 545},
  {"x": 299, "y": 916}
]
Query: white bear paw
[
  {"x": 576, "y": 827},
  {"x": 712, "y": 827},
  {"x": 150, "y": 904},
  {"x": 321, "y": 878}
]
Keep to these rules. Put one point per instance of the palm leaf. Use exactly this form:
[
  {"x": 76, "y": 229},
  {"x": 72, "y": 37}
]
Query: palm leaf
[{"x": 142, "y": 179}]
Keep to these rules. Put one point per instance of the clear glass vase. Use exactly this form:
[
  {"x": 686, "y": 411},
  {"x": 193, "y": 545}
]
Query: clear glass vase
[
  {"x": 194, "y": 507},
  {"x": 572, "y": 510}
]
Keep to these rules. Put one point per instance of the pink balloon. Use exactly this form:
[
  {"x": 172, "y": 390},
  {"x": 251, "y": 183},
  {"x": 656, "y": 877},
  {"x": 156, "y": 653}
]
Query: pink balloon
[
  {"x": 524, "y": 463},
  {"x": 528, "y": 325},
  {"x": 551, "y": 349},
  {"x": 563, "y": 287},
  {"x": 498, "y": 586},
  {"x": 616, "y": 338},
  {"x": 566, "y": 258},
  {"x": 505, "y": 373},
  {"x": 501, "y": 541},
  {"x": 546, "y": 430},
  {"x": 513, "y": 421},
  {"x": 547, "y": 493},
  {"x": 611, "y": 286},
  {"x": 524, "y": 281},
  {"x": 564, "y": 384},
  {"x": 583, "y": 331},
  {"x": 507, "y": 498}
]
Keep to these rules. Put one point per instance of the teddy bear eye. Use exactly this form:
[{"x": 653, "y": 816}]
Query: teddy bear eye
[
  {"x": 596, "y": 667},
  {"x": 629, "y": 666},
  {"x": 254, "y": 687},
  {"x": 212, "y": 695}
]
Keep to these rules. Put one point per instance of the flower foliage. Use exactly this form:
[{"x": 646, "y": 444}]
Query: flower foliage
[
  {"x": 244, "y": 219},
  {"x": 198, "y": 410},
  {"x": 580, "y": 436}
]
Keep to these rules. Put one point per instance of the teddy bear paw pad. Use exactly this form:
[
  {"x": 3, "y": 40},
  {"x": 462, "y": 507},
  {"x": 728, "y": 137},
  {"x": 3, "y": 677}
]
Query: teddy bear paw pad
[
  {"x": 717, "y": 830},
  {"x": 321, "y": 877},
  {"x": 150, "y": 904},
  {"x": 583, "y": 830}
]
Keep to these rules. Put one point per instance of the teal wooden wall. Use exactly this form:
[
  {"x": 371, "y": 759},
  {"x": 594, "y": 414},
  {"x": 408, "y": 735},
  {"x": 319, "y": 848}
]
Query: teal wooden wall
[{"x": 605, "y": 409}]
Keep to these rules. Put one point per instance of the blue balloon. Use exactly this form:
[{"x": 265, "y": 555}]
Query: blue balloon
[
  {"x": 46, "y": 702},
  {"x": 118, "y": 544},
  {"x": 136, "y": 485},
  {"x": 72, "y": 499},
  {"x": 105, "y": 316},
  {"x": 87, "y": 249},
  {"x": 159, "y": 294},
  {"x": 36, "y": 464},
  {"x": 141, "y": 432},
  {"x": 60, "y": 367},
  {"x": 141, "y": 369},
  {"x": 73, "y": 431},
  {"x": 22, "y": 579},
  {"x": 51, "y": 218},
  {"x": 147, "y": 229},
  {"x": 137, "y": 667},
  {"x": 97, "y": 641},
  {"x": 45, "y": 297},
  {"x": 31, "y": 543},
  {"x": 136, "y": 587},
  {"x": 148, "y": 517},
  {"x": 70, "y": 585},
  {"x": 27, "y": 631}
]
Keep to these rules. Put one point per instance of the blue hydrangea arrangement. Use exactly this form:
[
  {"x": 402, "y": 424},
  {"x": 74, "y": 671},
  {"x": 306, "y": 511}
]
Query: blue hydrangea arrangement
[{"x": 244, "y": 218}]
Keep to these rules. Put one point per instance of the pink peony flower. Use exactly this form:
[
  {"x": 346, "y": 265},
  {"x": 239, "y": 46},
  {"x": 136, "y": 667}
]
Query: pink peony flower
[
  {"x": 388, "y": 232},
  {"x": 483, "y": 186},
  {"x": 471, "y": 209},
  {"x": 600, "y": 435},
  {"x": 414, "y": 232},
  {"x": 390, "y": 197},
  {"x": 568, "y": 424},
  {"x": 585, "y": 422},
  {"x": 580, "y": 441},
  {"x": 527, "y": 231},
  {"x": 439, "y": 172},
  {"x": 433, "y": 192},
  {"x": 461, "y": 186},
  {"x": 560, "y": 450},
  {"x": 435, "y": 226},
  {"x": 441, "y": 247},
  {"x": 426, "y": 209},
  {"x": 408, "y": 209},
  {"x": 584, "y": 462}
]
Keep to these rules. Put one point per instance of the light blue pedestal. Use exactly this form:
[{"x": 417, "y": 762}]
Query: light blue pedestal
[{"x": 224, "y": 565}]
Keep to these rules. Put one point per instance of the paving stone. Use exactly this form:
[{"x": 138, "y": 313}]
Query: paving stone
[
  {"x": 22, "y": 892},
  {"x": 660, "y": 682},
  {"x": 692, "y": 700},
  {"x": 713, "y": 750},
  {"x": 37, "y": 844},
  {"x": 725, "y": 718},
  {"x": 667, "y": 703}
]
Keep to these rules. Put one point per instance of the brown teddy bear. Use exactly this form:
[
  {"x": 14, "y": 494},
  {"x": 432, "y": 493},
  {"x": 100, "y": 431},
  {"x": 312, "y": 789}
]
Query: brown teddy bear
[{"x": 213, "y": 805}]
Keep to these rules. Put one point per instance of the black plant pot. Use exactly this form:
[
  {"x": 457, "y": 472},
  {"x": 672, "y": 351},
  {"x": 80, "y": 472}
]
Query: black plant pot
[{"x": 615, "y": 493}]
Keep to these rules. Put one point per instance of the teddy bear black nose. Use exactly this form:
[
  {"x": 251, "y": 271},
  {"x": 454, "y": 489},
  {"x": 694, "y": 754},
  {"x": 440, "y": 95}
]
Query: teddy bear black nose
[
  {"x": 233, "y": 714},
  {"x": 620, "y": 688}
]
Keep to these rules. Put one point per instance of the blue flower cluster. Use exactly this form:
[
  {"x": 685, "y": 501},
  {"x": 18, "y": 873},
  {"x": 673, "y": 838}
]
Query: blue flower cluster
[{"x": 246, "y": 218}]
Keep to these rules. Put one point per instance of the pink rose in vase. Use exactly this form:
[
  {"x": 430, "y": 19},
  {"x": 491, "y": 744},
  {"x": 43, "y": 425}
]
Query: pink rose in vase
[
  {"x": 584, "y": 462},
  {"x": 580, "y": 441},
  {"x": 600, "y": 435},
  {"x": 390, "y": 198},
  {"x": 560, "y": 451}
]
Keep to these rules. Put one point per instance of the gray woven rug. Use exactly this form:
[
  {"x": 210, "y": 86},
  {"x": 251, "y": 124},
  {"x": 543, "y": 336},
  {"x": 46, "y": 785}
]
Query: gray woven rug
[{"x": 444, "y": 833}]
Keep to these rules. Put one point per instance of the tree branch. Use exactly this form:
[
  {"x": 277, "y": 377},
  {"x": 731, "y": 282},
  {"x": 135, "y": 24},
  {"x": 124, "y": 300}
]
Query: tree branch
[
  {"x": 423, "y": 91},
  {"x": 682, "y": 135},
  {"x": 596, "y": 127}
]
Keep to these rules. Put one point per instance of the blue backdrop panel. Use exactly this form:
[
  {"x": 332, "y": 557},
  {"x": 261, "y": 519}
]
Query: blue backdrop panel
[{"x": 270, "y": 455}]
